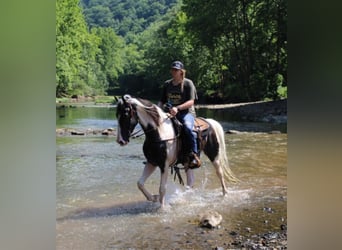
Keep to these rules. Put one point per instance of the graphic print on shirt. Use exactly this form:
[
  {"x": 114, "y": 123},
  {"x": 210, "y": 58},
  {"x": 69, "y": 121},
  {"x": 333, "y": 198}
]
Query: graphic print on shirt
[{"x": 175, "y": 98}]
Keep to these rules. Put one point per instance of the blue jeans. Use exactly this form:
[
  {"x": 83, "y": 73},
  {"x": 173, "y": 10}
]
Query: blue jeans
[{"x": 188, "y": 121}]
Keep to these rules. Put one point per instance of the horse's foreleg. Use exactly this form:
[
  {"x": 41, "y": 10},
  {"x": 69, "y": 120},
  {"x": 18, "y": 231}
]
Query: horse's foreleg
[
  {"x": 162, "y": 187},
  {"x": 220, "y": 175},
  {"x": 148, "y": 170}
]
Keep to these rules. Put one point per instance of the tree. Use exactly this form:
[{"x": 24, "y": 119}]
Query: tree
[
  {"x": 250, "y": 37},
  {"x": 69, "y": 23},
  {"x": 110, "y": 57},
  {"x": 99, "y": 16},
  {"x": 77, "y": 69}
]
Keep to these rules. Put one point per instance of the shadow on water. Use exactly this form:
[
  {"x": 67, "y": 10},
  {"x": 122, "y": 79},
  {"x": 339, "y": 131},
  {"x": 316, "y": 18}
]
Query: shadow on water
[{"x": 129, "y": 208}]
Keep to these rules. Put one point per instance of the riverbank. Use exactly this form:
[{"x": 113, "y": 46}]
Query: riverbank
[{"x": 262, "y": 111}]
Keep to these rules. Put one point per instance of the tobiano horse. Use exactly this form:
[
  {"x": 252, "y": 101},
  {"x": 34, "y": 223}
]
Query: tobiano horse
[{"x": 161, "y": 146}]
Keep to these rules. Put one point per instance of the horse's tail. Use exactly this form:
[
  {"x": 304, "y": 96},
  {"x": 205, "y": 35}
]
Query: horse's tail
[{"x": 222, "y": 155}]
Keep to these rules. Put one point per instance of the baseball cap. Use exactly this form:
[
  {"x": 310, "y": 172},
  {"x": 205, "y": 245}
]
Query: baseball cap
[{"x": 177, "y": 65}]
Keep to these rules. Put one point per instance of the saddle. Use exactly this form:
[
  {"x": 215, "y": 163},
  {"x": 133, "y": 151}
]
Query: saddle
[{"x": 201, "y": 127}]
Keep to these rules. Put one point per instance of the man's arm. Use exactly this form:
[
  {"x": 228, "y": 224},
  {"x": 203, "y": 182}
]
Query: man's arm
[{"x": 185, "y": 105}]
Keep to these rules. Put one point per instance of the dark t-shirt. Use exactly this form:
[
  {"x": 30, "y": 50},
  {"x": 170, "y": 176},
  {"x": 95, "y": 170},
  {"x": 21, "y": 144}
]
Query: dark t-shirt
[{"x": 174, "y": 95}]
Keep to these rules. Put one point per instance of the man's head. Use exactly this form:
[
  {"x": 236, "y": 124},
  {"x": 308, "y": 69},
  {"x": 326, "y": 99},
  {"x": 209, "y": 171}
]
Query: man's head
[
  {"x": 177, "y": 65},
  {"x": 177, "y": 70}
]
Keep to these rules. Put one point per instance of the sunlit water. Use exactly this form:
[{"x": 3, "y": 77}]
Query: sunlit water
[{"x": 100, "y": 207}]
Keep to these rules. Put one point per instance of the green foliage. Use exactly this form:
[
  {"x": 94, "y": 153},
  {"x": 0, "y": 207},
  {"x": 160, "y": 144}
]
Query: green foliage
[
  {"x": 88, "y": 63},
  {"x": 75, "y": 51},
  {"x": 109, "y": 57},
  {"x": 281, "y": 90},
  {"x": 249, "y": 37},
  {"x": 99, "y": 16},
  {"x": 233, "y": 50},
  {"x": 126, "y": 17}
]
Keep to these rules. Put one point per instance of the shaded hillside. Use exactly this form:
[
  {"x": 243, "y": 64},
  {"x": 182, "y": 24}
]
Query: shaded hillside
[{"x": 125, "y": 16}]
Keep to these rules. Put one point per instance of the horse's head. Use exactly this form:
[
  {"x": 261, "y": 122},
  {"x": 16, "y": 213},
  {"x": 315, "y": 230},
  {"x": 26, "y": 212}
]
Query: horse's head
[{"x": 127, "y": 119}]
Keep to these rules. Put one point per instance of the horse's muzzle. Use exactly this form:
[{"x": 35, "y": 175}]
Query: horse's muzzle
[{"x": 120, "y": 139}]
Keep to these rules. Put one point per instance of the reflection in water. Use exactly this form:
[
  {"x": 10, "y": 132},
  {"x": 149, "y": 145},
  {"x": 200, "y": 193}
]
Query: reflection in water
[{"x": 100, "y": 207}]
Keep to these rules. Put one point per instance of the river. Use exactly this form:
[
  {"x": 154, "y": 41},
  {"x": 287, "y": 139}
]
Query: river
[{"x": 99, "y": 206}]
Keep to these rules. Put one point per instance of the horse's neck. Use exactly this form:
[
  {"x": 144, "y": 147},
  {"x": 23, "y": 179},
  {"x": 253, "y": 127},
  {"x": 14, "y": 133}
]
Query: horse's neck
[
  {"x": 164, "y": 128},
  {"x": 145, "y": 118}
]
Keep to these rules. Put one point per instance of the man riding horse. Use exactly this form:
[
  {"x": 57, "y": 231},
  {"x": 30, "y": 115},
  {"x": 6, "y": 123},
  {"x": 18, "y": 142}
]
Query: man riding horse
[
  {"x": 178, "y": 97},
  {"x": 161, "y": 146}
]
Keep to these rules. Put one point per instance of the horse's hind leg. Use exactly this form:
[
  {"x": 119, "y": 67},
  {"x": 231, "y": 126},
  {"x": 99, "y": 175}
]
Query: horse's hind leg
[
  {"x": 148, "y": 170},
  {"x": 220, "y": 175},
  {"x": 212, "y": 152}
]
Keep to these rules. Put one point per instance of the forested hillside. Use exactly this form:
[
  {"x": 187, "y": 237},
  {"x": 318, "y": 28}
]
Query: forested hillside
[
  {"x": 126, "y": 17},
  {"x": 233, "y": 50}
]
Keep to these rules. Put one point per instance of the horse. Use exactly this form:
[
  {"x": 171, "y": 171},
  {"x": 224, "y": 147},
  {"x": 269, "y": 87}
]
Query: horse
[{"x": 161, "y": 145}]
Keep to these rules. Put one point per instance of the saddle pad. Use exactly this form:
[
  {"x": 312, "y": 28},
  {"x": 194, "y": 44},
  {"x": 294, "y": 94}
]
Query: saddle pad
[{"x": 200, "y": 124}]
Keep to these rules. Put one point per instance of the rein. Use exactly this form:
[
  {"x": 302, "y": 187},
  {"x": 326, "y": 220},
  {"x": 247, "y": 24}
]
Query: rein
[{"x": 134, "y": 135}]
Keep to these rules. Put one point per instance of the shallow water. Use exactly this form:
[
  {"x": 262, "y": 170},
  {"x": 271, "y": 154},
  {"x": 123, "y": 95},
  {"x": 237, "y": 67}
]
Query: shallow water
[{"x": 100, "y": 207}]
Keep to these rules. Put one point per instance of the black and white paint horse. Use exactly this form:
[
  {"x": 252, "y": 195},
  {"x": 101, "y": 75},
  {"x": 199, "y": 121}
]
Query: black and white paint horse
[{"x": 160, "y": 145}]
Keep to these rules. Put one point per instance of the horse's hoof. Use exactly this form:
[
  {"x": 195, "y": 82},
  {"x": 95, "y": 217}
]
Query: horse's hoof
[{"x": 155, "y": 198}]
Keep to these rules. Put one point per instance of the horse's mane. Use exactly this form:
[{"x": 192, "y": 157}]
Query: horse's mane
[{"x": 151, "y": 109}]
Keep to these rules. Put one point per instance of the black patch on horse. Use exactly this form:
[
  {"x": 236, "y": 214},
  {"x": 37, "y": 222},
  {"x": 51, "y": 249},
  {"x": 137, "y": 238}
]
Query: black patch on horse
[
  {"x": 213, "y": 150},
  {"x": 154, "y": 148}
]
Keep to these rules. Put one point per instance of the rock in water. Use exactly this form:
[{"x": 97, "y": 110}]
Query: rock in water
[{"x": 210, "y": 219}]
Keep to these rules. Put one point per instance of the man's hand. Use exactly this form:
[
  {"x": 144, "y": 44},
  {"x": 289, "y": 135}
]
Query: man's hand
[{"x": 174, "y": 111}]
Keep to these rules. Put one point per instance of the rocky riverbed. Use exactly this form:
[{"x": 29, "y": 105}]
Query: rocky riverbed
[
  {"x": 85, "y": 132},
  {"x": 242, "y": 238},
  {"x": 266, "y": 241},
  {"x": 266, "y": 228}
]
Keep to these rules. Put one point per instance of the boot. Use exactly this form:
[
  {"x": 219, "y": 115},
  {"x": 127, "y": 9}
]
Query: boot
[{"x": 195, "y": 162}]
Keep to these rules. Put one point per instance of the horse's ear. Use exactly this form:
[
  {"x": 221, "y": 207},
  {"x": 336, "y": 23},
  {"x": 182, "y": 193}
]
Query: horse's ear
[{"x": 126, "y": 98}]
